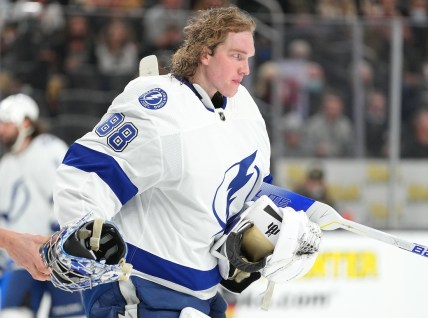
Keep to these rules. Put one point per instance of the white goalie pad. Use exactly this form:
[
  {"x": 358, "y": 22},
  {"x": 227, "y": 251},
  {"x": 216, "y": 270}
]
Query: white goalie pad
[
  {"x": 190, "y": 312},
  {"x": 86, "y": 254}
]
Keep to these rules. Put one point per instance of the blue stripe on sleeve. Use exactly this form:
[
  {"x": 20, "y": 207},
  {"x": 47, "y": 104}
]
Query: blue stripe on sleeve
[
  {"x": 104, "y": 166},
  {"x": 282, "y": 197},
  {"x": 156, "y": 266}
]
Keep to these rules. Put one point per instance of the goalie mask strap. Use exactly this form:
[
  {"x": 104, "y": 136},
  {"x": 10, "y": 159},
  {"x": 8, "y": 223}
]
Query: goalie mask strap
[{"x": 94, "y": 241}]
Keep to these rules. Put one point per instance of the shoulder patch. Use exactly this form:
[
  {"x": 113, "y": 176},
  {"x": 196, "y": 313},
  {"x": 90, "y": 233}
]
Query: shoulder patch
[{"x": 153, "y": 99}]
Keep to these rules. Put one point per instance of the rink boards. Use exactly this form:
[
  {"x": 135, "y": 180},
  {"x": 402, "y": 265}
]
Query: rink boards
[{"x": 353, "y": 276}]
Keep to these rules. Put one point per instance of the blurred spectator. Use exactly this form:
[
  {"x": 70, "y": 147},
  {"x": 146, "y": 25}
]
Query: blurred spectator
[
  {"x": 364, "y": 74},
  {"x": 298, "y": 6},
  {"x": 391, "y": 8},
  {"x": 164, "y": 60},
  {"x": 298, "y": 77},
  {"x": 315, "y": 187},
  {"x": 418, "y": 59},
  {"x": 329, "y": 131},
  {"x": 267, "y": 73},
  {"x": 27, "y": 41},
  {"x": 116, "y": 53},
  {"x": 48, "y": 14},
  {"x": 9, "y": 45},
  {"x": 292, "y": 136},
  {"x": 415, "y": 143},
  {"x": 418, "y": 11},
  {"x": 261, "y": 9},
  {"x": 380, "y": 36},
  {"x": 169, "y": 18},
  {"x": 169, "y": 40},
  {"x": 412, "y": 91},
  {"x": 300, "y": 50},
  {"x": 370, "y": 7},
  {"x": 336, "y": 9},
  {"x": 77, "y": 50},
  {"x": 206, "y": 4},
  {"x": 55, "y": 86},
  {"x": 418, "y": 18},
  {"x": 27, "y": 49},
  {"x": 314, "y": 88},
  {"x": 163, "y": 24},
  {"x": 254, "y": 7},
  {"x": 51, "y": 16},
  {"x": 5, "y": 84},
  {"x": 376, "y": 125},
  {"x": 424, "y": 86},
  {"x": 110, "y": 4},
  {"x": 4, "y": 10},
  {"x": 264, "y": 50}
]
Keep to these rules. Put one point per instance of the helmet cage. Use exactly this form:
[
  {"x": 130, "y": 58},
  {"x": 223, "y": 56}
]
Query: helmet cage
[{"x": 76, "y": 273}]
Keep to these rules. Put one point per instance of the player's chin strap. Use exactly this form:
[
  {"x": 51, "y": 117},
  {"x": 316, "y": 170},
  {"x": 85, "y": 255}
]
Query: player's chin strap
[
  {"x": 23, "y": 133},
  {"x": 86, "y": 254}
]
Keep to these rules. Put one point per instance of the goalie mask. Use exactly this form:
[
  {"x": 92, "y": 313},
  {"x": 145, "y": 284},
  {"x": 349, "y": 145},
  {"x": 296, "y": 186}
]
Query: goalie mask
[{"x": 86, "y": 254}]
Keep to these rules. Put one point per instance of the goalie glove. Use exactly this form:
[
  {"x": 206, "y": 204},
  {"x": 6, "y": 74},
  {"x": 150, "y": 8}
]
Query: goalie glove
[
  {"x": 228, "y": 248},
  {"x": 286, "y": 240},
  {"x": 239, "y": 264},
  {"x": 86, "y": 254},
  {"x": 296, "y": 248},
  {"x": 243, "y": 269}
]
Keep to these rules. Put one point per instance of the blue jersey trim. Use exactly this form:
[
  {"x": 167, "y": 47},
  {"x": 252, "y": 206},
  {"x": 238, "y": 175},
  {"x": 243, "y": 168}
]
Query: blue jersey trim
[
  {"x": 268, "y": 179},
  {"x": 105, "y": 167},
  {"x": 282, "y": 197},
  {"x": 156, "y": 266}
]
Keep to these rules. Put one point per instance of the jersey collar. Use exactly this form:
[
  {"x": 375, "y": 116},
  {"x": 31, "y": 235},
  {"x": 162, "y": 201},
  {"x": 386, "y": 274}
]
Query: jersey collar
[{"x": 203, "y": 96}]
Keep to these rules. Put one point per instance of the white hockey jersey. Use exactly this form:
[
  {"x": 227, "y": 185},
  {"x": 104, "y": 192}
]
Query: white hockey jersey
[
  {"x": 171, "y": 171},
  {"x": 26, "y": 185}
]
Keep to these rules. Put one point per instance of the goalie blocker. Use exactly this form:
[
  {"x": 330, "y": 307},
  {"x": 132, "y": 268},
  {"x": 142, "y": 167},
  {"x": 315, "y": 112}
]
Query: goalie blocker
[{"x": 278, "y": 243}]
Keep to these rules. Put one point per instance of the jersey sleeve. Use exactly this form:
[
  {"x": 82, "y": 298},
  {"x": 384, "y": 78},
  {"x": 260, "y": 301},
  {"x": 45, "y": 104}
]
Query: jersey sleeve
[{"x": 119, "y": 158}]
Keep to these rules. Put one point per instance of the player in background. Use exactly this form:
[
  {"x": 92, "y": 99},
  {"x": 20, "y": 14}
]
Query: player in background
[
  {"x": 172, "y": 163},
  {"x": 27, "y": 172}
]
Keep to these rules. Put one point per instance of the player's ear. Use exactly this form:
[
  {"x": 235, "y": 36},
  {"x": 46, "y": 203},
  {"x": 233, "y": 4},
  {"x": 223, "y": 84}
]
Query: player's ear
[
  {"x": 206, "y": 55},
  {"x": 27, "y": 122}
]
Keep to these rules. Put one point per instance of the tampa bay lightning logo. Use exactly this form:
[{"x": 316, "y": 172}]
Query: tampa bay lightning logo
[
  {"x": 19, "y": 202},
  {"x": 237, "y": 185},
  {"x": 153, "y": 99}
]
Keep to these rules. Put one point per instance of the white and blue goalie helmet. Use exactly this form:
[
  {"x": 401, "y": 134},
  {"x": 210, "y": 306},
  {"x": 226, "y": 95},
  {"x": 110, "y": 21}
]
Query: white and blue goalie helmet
[{"x": 86, "y": 254}]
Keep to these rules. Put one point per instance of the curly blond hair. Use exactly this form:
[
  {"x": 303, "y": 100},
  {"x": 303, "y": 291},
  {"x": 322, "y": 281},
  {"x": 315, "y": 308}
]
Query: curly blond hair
[{"x": 208, "y": 29}]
